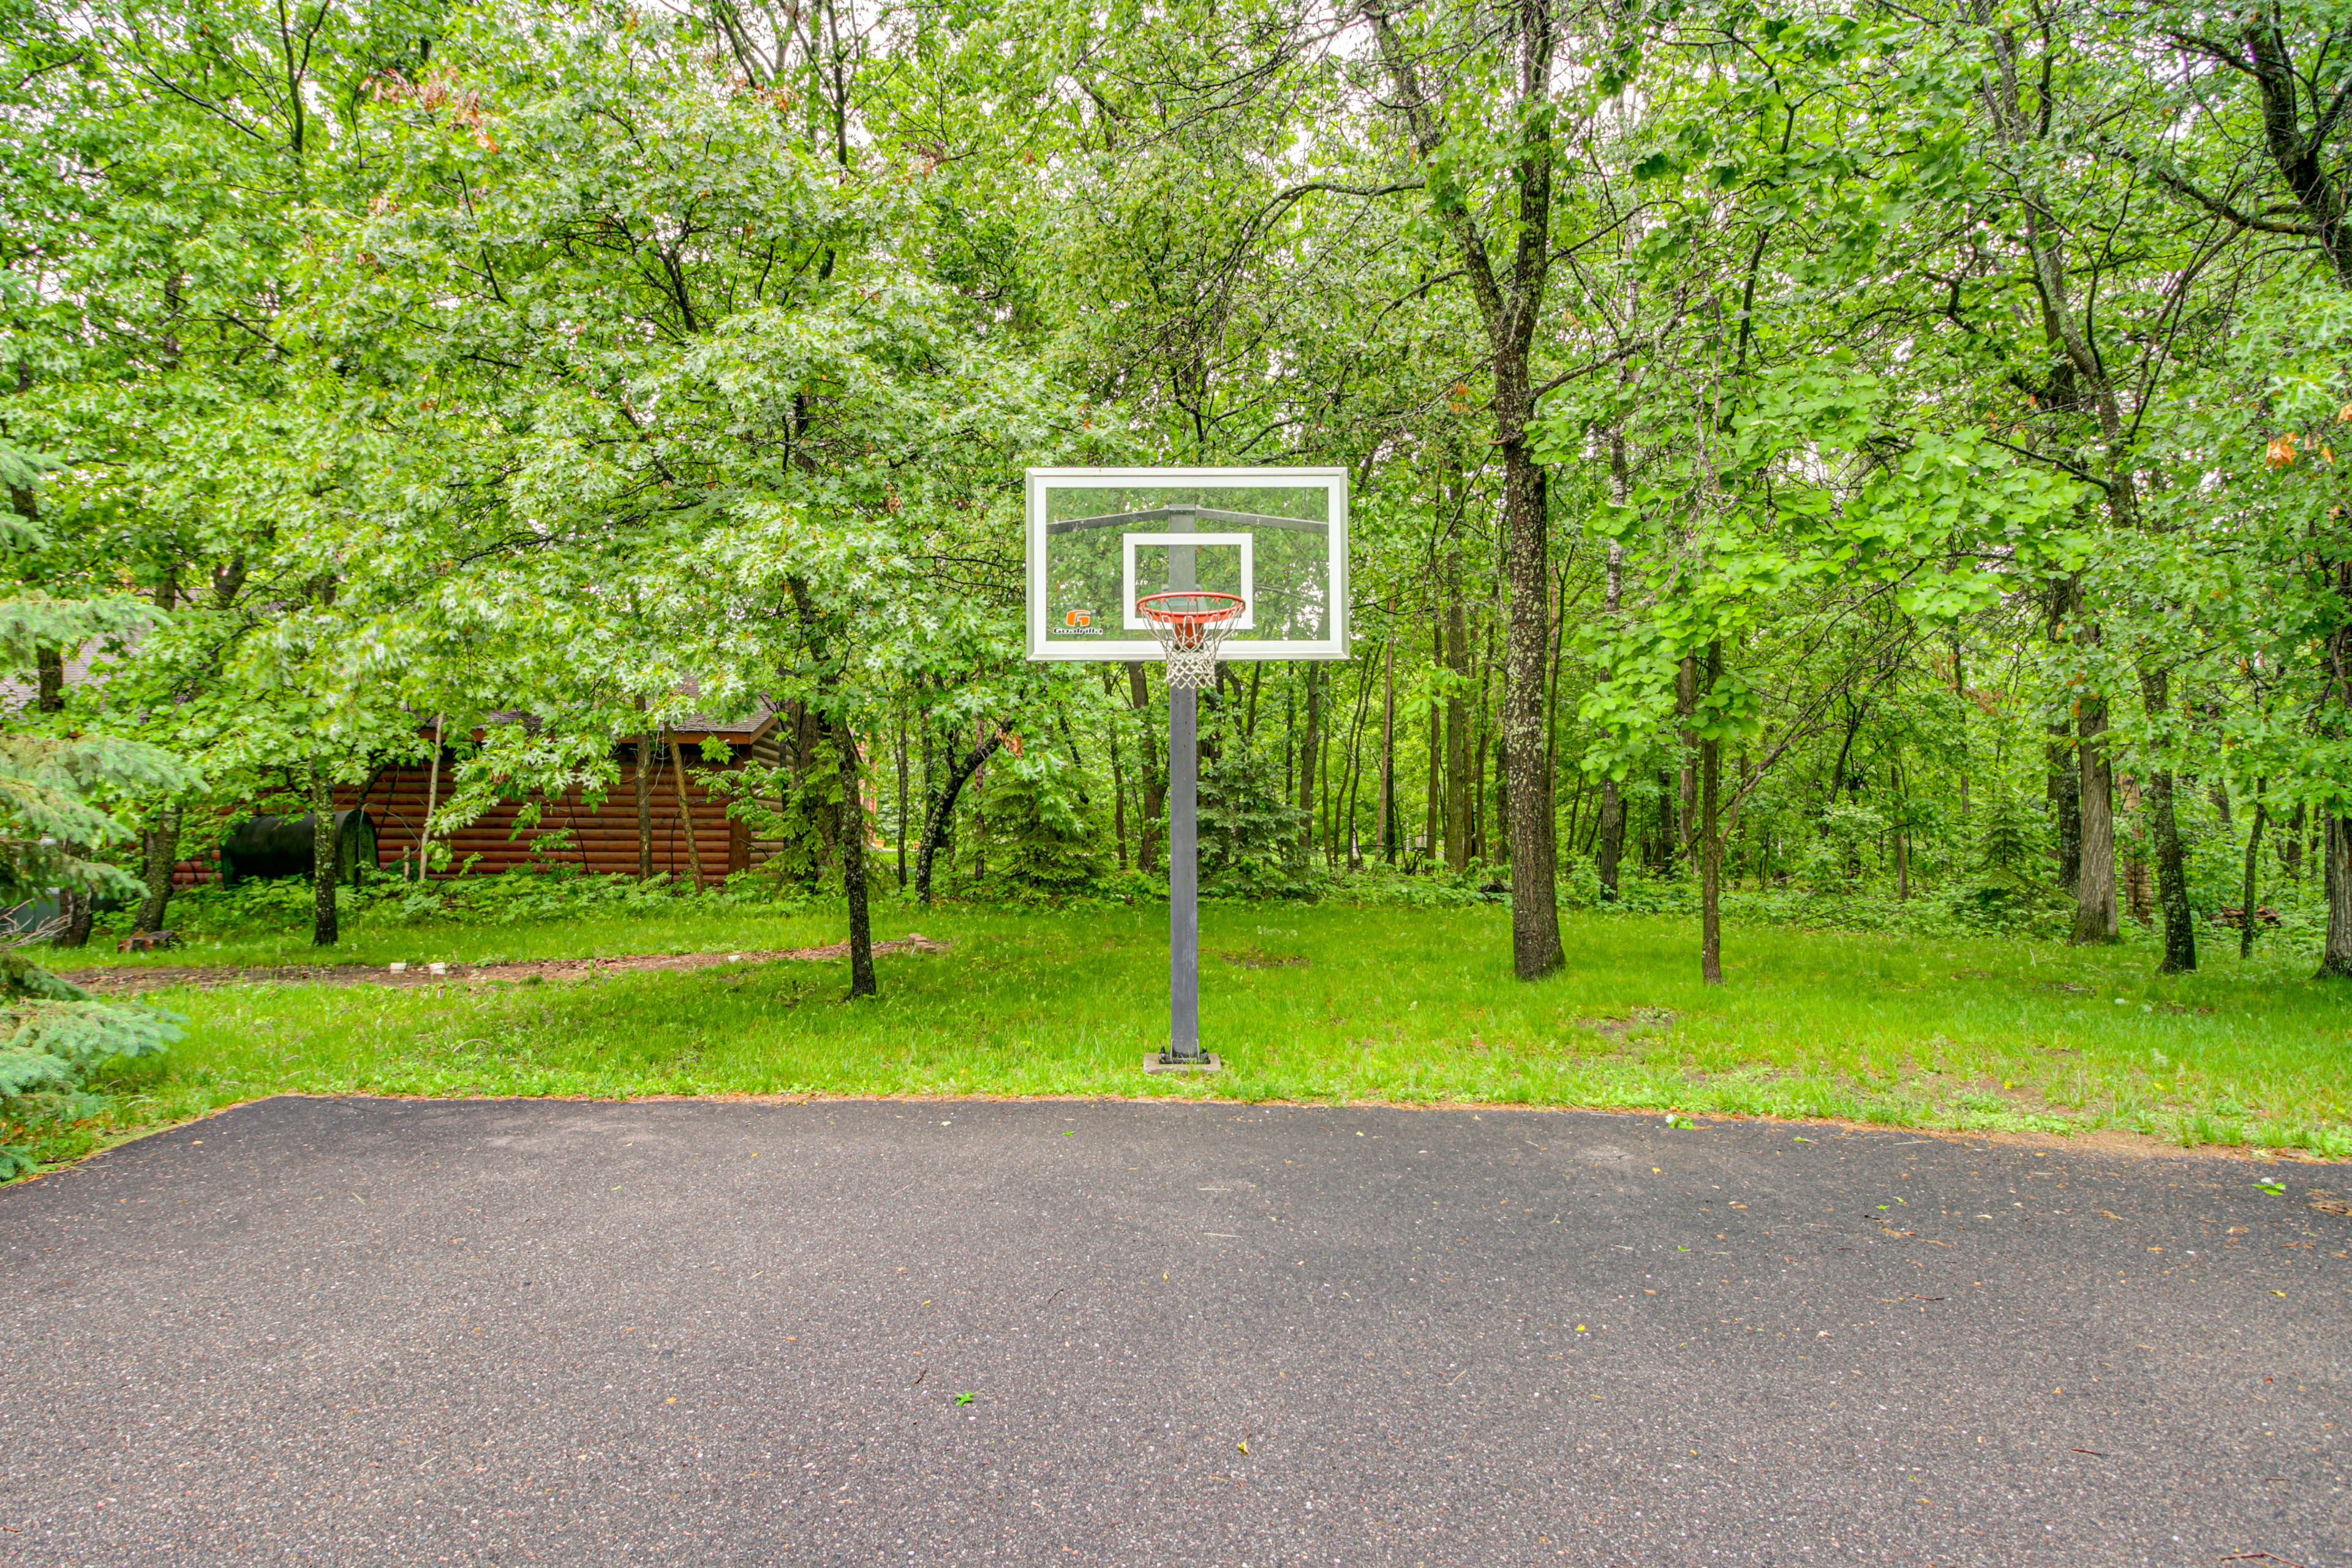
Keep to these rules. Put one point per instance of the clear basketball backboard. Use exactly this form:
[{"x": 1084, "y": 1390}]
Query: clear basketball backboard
[{"x": 1100, "y": 538}]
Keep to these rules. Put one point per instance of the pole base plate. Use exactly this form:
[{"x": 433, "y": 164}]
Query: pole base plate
[{"x": 1208, "y": 1061}]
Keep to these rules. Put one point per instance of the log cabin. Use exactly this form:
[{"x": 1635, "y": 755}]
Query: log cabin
[
  {"x": 597, "y": 838},
  {"x": 602, "y": 837}
]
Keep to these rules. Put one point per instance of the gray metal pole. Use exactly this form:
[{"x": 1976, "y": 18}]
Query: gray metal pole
[{"x": 1183, "y": 877}]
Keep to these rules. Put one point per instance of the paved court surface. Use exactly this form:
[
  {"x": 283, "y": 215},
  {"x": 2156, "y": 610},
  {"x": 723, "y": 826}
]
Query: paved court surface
[{"x": 378, "y": 1332}]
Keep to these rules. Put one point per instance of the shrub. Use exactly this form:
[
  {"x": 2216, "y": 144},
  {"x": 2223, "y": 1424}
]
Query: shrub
[
  {"x": 1380, "y": 885},
  {"x": 53, "y": 1036},
  {"x": 510, "y": 898},
  {"x": 1249, "y": 836},
  {"x": 1041, "y": 837},
  {"x": 1844, "y": 845}
]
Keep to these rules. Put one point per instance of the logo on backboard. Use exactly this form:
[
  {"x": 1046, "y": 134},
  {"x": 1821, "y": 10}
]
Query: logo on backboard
[{"x": 1082, "y": 622}]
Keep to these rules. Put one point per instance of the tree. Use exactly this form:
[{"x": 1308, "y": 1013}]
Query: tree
[{"x": 1490, "y": 120}]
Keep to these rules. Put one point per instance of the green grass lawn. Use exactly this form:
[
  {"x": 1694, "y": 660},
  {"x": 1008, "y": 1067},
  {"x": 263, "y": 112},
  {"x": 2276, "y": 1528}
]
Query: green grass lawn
[{"x": 1388, "y": 1005}]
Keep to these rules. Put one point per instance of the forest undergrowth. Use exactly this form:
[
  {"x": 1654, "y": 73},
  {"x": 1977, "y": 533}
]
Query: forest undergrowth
[{"x": 1312, "y": 1003}]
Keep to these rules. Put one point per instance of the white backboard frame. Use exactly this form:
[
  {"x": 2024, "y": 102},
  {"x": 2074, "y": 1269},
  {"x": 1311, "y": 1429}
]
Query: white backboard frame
[{"x": 1142, "y": 647}]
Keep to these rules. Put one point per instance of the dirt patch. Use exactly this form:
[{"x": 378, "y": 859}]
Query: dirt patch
[
  {"x": 1637, "y": 1022},
  {"x": 168, "y": 977},
  {"x": 1258, "y": 958}
]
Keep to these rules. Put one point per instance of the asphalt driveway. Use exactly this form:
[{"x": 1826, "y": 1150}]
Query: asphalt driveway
[{"x": 383, "y": 1333}]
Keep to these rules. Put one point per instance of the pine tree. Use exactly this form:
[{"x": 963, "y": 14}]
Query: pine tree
[{"x": 53, "y": 825}]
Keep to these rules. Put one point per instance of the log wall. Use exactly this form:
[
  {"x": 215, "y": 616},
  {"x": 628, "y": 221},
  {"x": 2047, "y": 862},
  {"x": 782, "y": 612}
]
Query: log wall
[{"x": 603, "y": 836}]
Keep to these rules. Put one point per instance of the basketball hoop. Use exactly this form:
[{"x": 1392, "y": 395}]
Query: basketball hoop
[{"x": 1192, "y": 625}]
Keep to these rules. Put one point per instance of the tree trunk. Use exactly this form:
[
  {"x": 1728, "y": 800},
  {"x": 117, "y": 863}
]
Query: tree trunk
[
  {"x": 1846, "y": 749},
  {"x": 1119, "y": 800},
  {"x": 48, "y": 679},
  {"x": 959, "y": 771},
  {"x": 2095, "y": 889},
  {"x": 1289, "y": 740},
  {"x": 1152, "y": 778},
  {"x": 2335, "y": 958},
  {"x": 685, "y": 811},
  {"x": 1559, "y": 613},
  {"x": 2137, "y": 889},
  {"x": 853, "y": 860},
  {"x": 1609, "y": 826},
  {"x": 2089, "y": 387},
  {"x": 1510, "y": 304},
  {"x": 1117, "y": 780},
  {"x": 1457, "y": 719},
  {"x": 78, "y": 909},
  {"x": 1489, "y": 827},
  {"x": 808, "y": 740},
  {"x": 1534, "y": 903},
  {"x": 160, "y": 844},
  {"x": 2336, "y": 842},
  {"x": 850, "y": 822},
  {"x": 322, "y": 857},
  {"x": 432, "y": 803},
  {"x": 1960, "y": 691},
  {"x": 2252, "y": 889},
  {"x": 1387, "y": 835},
  {"x": 979, "y": 837},
  {"x": 901, "y": 833},
  {"x": 1609, "y": 838},
  {"x": 1902, "y": 838},
  {"x": 642, "y": 780},
  {"x": 930, "y": 784},
  {"x": 1434, "y": 799},
  {"x": 1325, "y": 828},
  {"x": 2164, "y": 835},
  {"x": 1710, "y": 848},
  {"x": 2064, "y": 783},
  {"x": 1351, "y": 776},
  {"x": 1311, "y": 751},
  {"x": 1077, "y": 764},
  {"x": 1661, "y": 847},
  {"x": 1686, "y": 776},
  {"x": 2064, "y": 787},
  {"x": 1481, "y": 837}
]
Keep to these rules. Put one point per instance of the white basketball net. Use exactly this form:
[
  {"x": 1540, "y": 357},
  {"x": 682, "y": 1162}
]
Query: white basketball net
[{"x": 1191, "y": 628}]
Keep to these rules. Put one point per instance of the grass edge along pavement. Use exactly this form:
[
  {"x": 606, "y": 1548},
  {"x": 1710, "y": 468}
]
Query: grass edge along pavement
[{"x": 1310, "y": 1004}]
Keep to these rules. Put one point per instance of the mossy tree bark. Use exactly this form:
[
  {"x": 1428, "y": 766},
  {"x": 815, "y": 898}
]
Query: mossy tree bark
[
  {"x": 1457, "y": 717},
  {"x": 828, "y": 651},
  {"x": 2164, "y": 835},
  {"x": 323, "y": 910},
  {"x": 2095, "y": 883},
  {"x": 160, "y": 850},
  {"x": 1152, "y": 783},
  {"x": 2252, "y": 889},
  {"x": 2335, "y": 958},
  {"x": 1710, "y": 830}
]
